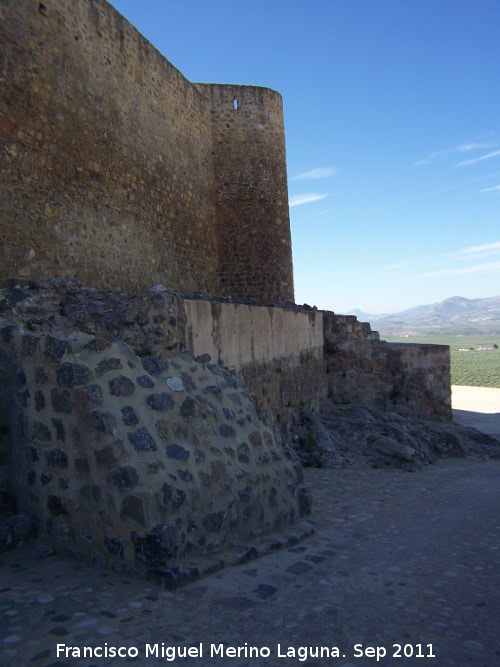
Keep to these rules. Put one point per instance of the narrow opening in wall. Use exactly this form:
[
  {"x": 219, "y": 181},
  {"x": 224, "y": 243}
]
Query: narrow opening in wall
[
  {"x": 42, "y": 9},
  {"x": 235, "y": 102}
]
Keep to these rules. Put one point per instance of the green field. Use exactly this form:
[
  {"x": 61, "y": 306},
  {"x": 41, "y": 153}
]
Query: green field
[{"x": 475, "y": 362}]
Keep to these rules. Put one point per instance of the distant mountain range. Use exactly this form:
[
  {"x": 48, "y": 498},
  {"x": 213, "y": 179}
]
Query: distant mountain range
[{"x": 455, "y": 311}]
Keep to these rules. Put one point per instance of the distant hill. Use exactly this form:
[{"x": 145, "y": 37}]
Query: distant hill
[{"x": 456, "y": 311}]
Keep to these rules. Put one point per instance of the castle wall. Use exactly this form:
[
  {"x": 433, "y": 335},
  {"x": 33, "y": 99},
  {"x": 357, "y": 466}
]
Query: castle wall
[
  {"x": 421, "y": 377},
  {"x": 363, "y": 370},
  {"x": 120, "y": 172},
  {"x": 108, "y": 172},
  {"x": 251, "y": 192},
  {"x": 278, "y": 351}
]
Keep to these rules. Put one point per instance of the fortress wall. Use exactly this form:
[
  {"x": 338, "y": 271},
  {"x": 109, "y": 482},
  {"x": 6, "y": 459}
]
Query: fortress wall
[
  {"x": 278, "y": 351},
  {"x": 421, "y": 377},
  {"x": 356, "y": 361},
  {"x": 106, "y": 154},
  {"x": 362, "y": 369},
  {"x": 255, "y": 254},
  {"x": 121, "y": 173}
]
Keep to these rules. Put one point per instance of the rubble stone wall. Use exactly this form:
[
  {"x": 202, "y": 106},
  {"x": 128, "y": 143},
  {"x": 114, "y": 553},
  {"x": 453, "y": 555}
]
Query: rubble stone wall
[
  {"x": 421, "y": 378},
  {"x": 142, "y": 464},
  {"x": 363, "y": 370},
  {"x": 290, "y": 358}
]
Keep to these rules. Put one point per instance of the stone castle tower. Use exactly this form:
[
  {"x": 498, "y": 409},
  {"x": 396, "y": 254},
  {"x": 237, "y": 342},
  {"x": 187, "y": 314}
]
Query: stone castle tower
[{"x": 121, "y": 173}]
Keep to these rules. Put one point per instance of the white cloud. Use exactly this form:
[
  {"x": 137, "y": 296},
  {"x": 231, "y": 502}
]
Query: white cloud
[
  {"x": 304, "y": 199},
  {"x": 493, "y": 189},
  {"x": 430, "y": 158},
  {"x": 461, "y": 148},
  {"x": 477, "y": 250},
  {"x": 488, "y": 267},
  {"x": 322, "y": 172},
  {"x": 488, "y": 156},
  {"x": 472, "y": 147}
]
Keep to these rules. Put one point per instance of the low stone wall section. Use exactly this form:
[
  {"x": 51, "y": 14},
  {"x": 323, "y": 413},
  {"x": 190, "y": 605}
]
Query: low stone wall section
[
  {"x": 279, "y": 351},
  {"x": 141, "y": 464},
  {"x": 421, "y": 378},
  {"x": 363, "y": 370}
]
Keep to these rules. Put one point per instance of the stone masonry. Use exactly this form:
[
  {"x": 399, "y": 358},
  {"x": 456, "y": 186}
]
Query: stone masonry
[
  {"x": 154, "y": 369},
  {"x": 118, "y": 171},
  {"x": 143, "y": 464}
]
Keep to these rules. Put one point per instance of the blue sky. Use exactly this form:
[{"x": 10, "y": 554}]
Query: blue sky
[{"x": 392, "y": 118}]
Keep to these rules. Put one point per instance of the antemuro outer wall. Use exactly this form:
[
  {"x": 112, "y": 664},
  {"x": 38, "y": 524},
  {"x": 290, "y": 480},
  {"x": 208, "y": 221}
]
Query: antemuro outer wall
[{"x": 118, "y": 171}]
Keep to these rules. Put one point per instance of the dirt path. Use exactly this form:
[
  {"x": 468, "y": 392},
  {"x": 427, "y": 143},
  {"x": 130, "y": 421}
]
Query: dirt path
[{"x": 478, "y": 407}]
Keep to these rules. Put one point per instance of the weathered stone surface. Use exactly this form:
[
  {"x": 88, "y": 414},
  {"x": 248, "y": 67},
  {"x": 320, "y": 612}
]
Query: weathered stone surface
[
  {"x": 141, "y": 440},
  {"x": 108, "y": 364},
  {"x": 155, "y": 365},
  {"x": 62, "y": 400},
  {"x": 111, "y": 455},
  {"x": 132, "y": 508},
  {"x": 39, "y": 400},
  {"x": 109, "y": 477},
  {"x": 85, "y": 398},
  {"x": 54, "y": 348},
  {"x": 161, "y": 402},
  {"x": 41, "y": 376},
  {"x": 129, "y": 415},
  {"x": 41, "y": 432},
  {"x": 15, "y": 530},
  {"x": 22, "y": 398},
  {"x": 145, "y": 381},
  {"x": 177, "y": 452},
  {"x": 157, "y": 546},
  {"x": 100, "y": 421},
  {"x": 109, "y": 247},
  {"x": 121, "y": 386},
  {"x": 363, "y": 437},
  {"x": 31, "y": 454},
  {"x": 69, "y": 375},
  {"x": 56, "y": 506},
  {"x": 123, "y": 478},
  {"x": 188, "y": 409},
  {"x": 175, "y": 384},
  {"x": 213, "y": 521},
  {"x": 56, "y": 458},
  {"x": 227, "y": 431},
  {"x": 82, "y": 467},
  {"x": 245, "y": 494},
  {"x": 29, "y": 345},
  {"x": 173, "y": 498}
]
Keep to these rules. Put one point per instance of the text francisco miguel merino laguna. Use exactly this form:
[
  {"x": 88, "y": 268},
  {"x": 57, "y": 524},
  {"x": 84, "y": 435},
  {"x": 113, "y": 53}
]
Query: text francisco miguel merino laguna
[{"x": 302, "y": 653}]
